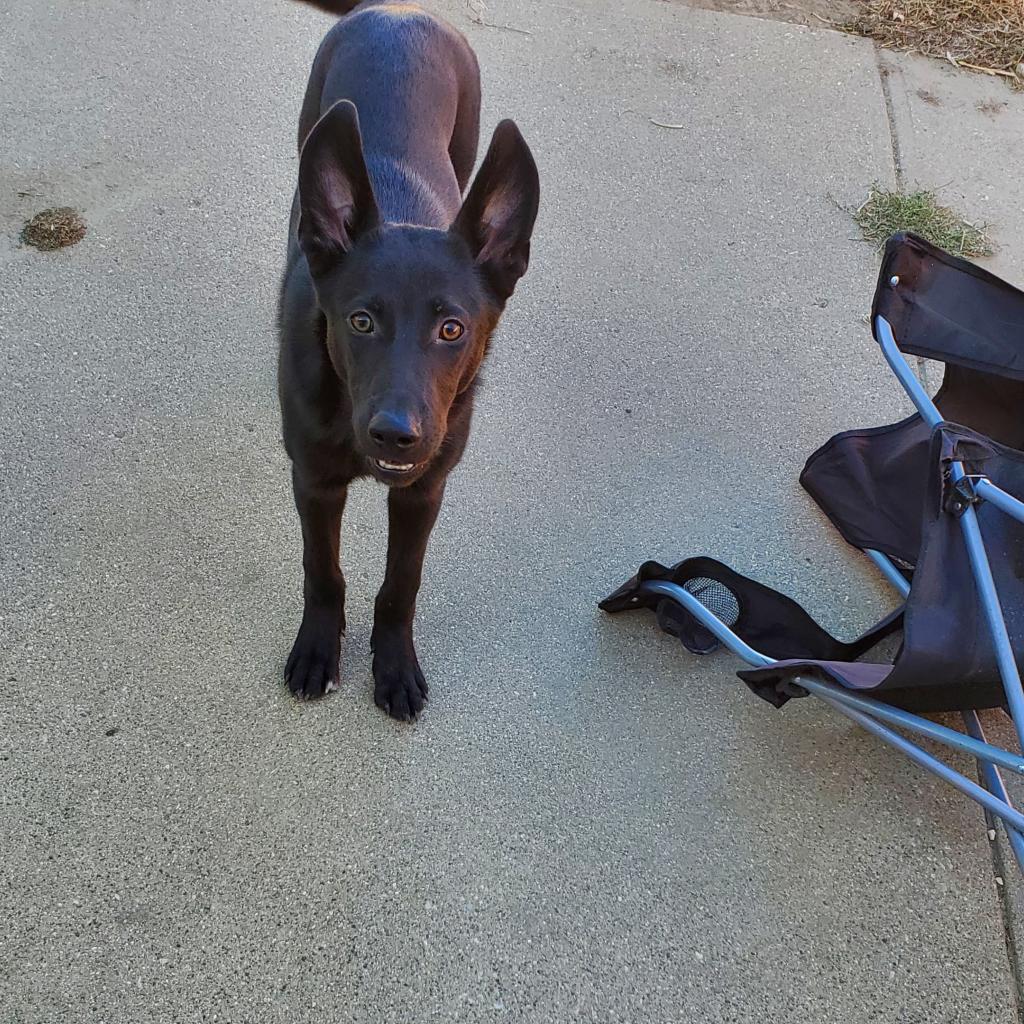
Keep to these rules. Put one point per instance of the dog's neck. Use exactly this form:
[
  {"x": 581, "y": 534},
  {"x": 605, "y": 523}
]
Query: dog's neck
[{"x": 405, "y": 197}]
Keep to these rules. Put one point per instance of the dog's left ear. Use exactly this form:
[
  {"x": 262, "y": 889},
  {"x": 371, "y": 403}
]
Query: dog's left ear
[{"x": 498, "y": 214}]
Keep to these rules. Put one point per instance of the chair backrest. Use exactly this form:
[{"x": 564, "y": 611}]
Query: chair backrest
[
  {"x": 945, "y": 308},
  {"x": 872, "y": 482}
]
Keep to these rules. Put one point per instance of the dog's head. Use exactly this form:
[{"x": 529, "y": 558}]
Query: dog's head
[{"x": 409, "y": 310}]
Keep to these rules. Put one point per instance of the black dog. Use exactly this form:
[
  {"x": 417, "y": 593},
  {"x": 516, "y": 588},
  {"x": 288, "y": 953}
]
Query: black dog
[{"x": 392, "y": 290}]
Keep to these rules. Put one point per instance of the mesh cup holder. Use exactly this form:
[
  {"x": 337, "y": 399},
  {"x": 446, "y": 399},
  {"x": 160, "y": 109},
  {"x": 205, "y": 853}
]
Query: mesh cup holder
[
  {"x": 716, "y": 597},
  {"x": 677, "y": 622}
]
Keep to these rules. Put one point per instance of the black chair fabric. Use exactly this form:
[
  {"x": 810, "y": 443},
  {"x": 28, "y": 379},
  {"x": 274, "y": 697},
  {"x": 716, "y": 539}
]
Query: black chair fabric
[{"x": 888, "y": 488}]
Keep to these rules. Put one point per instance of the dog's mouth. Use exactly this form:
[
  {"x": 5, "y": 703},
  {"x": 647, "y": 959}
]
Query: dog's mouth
[
  {"x": 394, "y": 467},
  {"x": 394, "y": 472}
]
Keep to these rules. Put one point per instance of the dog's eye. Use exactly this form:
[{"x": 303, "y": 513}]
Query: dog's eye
[
  {"x": 361, "y": 322},
  {"x": 452, "y": 330}
]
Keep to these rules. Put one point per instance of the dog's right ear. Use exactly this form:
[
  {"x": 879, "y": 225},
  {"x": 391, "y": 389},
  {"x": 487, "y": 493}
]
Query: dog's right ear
[{"x": 336, "y": 197}]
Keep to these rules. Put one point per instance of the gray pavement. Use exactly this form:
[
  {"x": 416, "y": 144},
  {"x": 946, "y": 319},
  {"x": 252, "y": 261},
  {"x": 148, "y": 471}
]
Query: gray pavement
[
  {"x": 962, "y": 135},
  {"x": 588, "y": 824}
]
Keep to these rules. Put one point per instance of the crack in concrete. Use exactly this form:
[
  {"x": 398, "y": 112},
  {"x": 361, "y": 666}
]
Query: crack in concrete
[
  {"x": 890, "y": 116},
  {"x": 1005, "y": 866}
]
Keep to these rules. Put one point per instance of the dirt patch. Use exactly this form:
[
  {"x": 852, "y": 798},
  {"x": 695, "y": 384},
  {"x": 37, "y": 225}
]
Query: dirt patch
[
  {"x": 56, "y": 228},
  {"x": 979, "y": 35},
  {"x": 929, "y": 97},
  {"x": 991, "y": 107},
  {"x": 677, "y": 69},
  {"x": 833, "y": 13},
  {"x": 976, "y": 35}
]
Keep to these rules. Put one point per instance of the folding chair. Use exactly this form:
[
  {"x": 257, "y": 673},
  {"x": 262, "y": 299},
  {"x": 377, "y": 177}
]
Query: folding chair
[{"x": 930, "y": 501}]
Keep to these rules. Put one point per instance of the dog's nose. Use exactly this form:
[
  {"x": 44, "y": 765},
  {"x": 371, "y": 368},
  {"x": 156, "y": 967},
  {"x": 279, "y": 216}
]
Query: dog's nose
[{"x": 394, "y": 430}]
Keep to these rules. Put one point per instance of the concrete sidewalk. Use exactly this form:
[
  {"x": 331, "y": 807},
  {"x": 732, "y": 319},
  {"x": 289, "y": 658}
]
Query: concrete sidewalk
[
  {"x": 963, "y": 135},
  {"x": 588, "y": 824}
]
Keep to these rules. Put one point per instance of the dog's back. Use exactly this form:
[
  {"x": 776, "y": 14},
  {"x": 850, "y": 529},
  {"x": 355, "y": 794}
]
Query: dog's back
[{"x": 415, "y": 82}]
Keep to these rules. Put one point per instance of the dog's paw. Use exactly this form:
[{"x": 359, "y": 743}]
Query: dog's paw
[
  {"x": 312, "y": 667},
  {"x": 399, "y": 688}
]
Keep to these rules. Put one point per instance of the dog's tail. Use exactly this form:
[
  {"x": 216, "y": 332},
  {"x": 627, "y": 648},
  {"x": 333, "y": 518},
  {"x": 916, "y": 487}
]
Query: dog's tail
[{"x": 338, "y": 7}]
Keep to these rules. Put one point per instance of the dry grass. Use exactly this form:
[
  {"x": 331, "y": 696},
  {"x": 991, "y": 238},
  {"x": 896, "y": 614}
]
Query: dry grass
[
  {"x": 884, "y": 213},
  {"x": 980, "y": 35},
  {"x": 54, "y": 229}
]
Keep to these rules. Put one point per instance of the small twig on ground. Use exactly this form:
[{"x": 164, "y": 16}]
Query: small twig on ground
[
  {"x": 477, "y": 15},
  {"x": 984, "y": 71},
  {"x": 663, "y": 124},
  {"x": 506, "y": 28}
]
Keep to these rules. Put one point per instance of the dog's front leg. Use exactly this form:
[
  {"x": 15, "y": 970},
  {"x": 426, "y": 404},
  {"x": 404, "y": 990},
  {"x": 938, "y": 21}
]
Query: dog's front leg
[
  {"x": 399, "y": 687},
  {"x": 312, "y": 668}
]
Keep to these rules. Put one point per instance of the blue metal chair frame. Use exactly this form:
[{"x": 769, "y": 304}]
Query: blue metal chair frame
[{"x": 879, "y": 718}]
